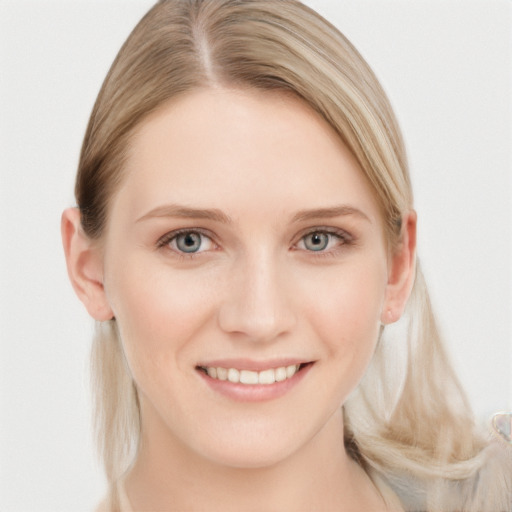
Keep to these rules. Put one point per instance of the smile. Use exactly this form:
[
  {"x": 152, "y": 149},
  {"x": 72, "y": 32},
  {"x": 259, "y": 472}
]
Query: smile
[
  {"x": 246, "y": 381},
  {"x": 251, "y": 378}
]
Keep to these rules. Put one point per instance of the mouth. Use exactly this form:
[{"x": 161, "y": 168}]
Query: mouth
[{"x": 265, "y": 377}]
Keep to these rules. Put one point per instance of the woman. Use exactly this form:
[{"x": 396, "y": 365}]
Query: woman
[{"x": 245, "y": 236}]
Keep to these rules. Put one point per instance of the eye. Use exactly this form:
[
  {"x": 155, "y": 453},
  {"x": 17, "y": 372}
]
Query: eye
[
  {"x": 321, "y": 241},
  {"x": 316, "y": 241},
  {"x": 187, "y": 242}
]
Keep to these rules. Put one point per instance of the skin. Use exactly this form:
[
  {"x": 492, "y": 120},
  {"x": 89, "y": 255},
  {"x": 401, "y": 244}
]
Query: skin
[{"x": 268, "y": 167}]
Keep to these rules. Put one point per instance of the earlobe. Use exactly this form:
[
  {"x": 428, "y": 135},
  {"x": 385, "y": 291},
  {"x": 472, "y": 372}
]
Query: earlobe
[
  {"x": 402, "y": 271},
  {"x": 85, "y": 266}
]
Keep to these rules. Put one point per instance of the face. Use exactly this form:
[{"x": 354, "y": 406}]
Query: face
[{"x": 246, "y": 266}]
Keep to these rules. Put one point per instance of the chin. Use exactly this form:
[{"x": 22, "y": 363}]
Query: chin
[{"x": 249, "y": 455}]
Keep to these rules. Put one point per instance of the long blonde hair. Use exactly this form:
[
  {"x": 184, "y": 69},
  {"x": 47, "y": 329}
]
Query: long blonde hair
[{"x": 409, "y": 422}]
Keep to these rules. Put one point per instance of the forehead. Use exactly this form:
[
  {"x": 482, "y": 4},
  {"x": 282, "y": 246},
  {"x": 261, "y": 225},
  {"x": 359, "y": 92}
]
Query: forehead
[{"x": 237, "y": 149}]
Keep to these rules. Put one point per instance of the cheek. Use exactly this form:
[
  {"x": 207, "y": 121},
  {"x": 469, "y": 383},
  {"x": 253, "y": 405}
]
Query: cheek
[
  {"x": 158, "y": 313},
  {"x": 348, "y": 300},
  {"x": 345, "y": 315}
]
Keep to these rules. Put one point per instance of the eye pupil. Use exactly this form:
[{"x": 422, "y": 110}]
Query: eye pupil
[{"x": 188, "y": 242}]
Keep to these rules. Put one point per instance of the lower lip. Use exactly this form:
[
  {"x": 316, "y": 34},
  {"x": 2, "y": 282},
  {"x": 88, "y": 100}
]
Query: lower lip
[{"x": 255, "y": 392}]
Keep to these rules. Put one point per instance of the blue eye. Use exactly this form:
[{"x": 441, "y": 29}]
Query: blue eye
[
  {"x": 317, "y": 241},
  {"x": 323, "y": 241},
  {"x": 188, "y": 242}
]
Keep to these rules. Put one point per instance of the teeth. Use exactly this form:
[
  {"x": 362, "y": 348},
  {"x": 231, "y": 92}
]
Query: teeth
[
  {"x": 280, "y": 374},
  {"x": 290, "y": 370},
  {"x": 267, "y": 377},
  {"x": 233, "y": 375},
  {"x": 222, "y": 374},
  {"x": 248, "y": 377}
]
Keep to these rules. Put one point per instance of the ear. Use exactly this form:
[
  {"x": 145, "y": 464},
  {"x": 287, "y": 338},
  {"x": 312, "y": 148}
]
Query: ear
[
  {"x": 401, "y": 271},
  {"x": 85, "y": 266}
]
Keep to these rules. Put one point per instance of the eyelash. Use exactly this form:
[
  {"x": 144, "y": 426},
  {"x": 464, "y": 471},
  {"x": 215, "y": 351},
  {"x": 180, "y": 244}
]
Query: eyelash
[
  {"x": 164, "y": 241},
  {"x": 344, "y": 240},
  {"x": 343, "y": 237}
]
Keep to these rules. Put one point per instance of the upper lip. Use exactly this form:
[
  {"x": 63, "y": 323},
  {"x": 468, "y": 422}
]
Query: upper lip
[{"x": 251, "y": 364}]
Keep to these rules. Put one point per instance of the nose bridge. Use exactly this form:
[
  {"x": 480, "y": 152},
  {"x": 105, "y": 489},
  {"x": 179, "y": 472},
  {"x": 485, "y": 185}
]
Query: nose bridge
[{"x": 256, "y": 302}]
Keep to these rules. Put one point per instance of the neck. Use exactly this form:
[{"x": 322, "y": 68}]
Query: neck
[{"x": 319, "y": 476}]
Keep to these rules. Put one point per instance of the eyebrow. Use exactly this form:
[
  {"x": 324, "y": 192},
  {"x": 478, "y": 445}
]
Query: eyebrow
[
  {"x": 328, "y": 213},
  {"x": 183, "y": 212}
]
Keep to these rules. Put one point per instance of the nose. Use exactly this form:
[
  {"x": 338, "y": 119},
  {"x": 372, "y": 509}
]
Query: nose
[{"x": 257, "y": 303}]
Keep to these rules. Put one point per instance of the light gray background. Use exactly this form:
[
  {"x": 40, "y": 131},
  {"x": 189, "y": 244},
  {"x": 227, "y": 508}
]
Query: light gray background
[{"x": 446, "y": 67}]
